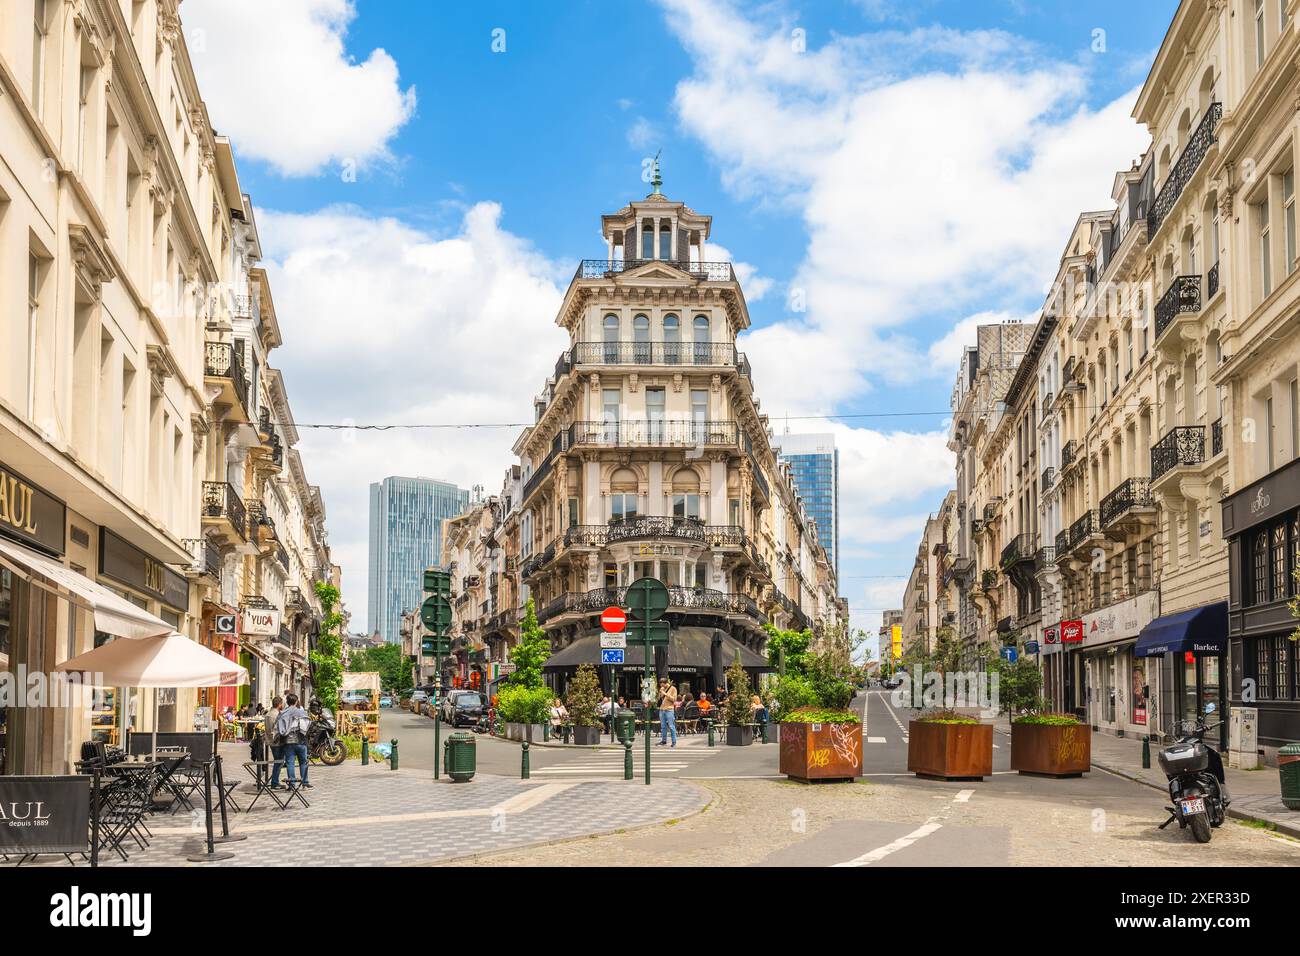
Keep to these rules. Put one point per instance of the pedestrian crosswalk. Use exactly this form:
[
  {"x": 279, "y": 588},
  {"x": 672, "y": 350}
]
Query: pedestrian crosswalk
[{"x": 596, "y": 763}]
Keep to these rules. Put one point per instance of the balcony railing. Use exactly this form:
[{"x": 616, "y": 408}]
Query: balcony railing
[
  {"x": 1021, "y": 548},
  {"x": 759, "y": 478},
  {"x": 679, "y": 599},
  {"x": 657, "y": 353},
  {"x": 1049, "y": 475},
  {"x": 647, "y": 526},
  {"x": 1045, "y": 557},
  {"x": 1083, "y": 529},
  {"x": 221, "y": 360},
  {"x": 652, "y": 432},
  {"x": 1067, "y": 454},
  {"x": 221, "y": 501},
  {"x": 1131, "y": 493},
  {"x": 1216, "y": 436},
  {"x": 1183, "y": 445},
  {"x": 205, "y": 556},
  {"x": 708, "y": 271},
  {"x": 1183, "y": 297},
  {"x": 1212, "y": 281},
  {"x": 1062, "y": 546},
  {"x": 1181, "y": 174}
]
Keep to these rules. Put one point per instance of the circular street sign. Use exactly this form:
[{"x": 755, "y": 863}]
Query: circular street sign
[
  {"x": 613, "y": 619},
  {"x": 647, "y": 599},
  {"x": 435, "y": 613}
]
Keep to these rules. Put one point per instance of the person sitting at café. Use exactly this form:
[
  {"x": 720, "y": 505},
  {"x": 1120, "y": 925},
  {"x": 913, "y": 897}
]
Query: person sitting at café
[
  {"x": 757, "y": 709},
  {"x": 704, "y": 703},
  {"x": 559, "y": 715}
]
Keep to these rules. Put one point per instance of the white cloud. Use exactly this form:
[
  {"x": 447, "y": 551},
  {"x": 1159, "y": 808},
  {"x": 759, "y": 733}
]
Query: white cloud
[
  {"x": 388, "y": 323},
  {"x": 279, "y": 81},
  {"x": 643, "y": 134},
  {"x": 756, "y": 286}
]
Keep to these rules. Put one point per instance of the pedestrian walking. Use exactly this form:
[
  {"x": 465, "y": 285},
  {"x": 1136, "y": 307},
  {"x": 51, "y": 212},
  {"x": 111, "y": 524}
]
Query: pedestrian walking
[
  {"x": 667, "y": 713},
  {"x": 273, "y": 740},
  {"x": 293, "y": 725}
]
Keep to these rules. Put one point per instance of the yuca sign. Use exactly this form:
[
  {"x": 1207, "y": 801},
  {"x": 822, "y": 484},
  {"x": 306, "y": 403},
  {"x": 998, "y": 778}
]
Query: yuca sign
[{"x": 259, "y": 621}]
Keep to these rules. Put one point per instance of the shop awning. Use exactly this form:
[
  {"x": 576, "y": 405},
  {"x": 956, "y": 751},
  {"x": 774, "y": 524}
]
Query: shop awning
[
  {"x": 1202, "y": 630},
  {"x": 113, "y": 615},
  {"x": 689, "y": 647}
]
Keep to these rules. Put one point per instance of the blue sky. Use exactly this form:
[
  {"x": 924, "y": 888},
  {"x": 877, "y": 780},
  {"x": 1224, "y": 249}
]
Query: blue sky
[{"x": 909, "y": 169}]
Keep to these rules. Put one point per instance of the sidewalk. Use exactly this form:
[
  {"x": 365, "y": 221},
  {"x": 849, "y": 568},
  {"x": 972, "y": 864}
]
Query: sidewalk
[{"x": 1256, "y": 794}]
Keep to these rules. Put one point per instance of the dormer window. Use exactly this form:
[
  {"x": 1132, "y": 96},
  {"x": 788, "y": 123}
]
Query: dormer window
[
  {"x": 665, "y": 239},
  {"x": 648, "y": 239}
]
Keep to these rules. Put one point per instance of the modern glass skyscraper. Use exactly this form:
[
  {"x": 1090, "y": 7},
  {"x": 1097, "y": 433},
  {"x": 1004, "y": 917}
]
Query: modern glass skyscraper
[
  {"x": 406, "y": 516},
  {"x": 815, "y": 462}
]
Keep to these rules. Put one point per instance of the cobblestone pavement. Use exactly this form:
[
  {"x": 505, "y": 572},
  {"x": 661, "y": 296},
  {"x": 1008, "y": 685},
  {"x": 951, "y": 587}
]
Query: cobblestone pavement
[
  {"x": 373, "y": 816},
  {"x": 764, "y": 822}
]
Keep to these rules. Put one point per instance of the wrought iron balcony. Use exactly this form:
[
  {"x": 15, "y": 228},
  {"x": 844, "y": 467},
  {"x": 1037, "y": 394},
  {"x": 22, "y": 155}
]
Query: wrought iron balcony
[
  {"x": 652, "y": 432},
  {"x": 1216, "y": 437},
  {"x": 1049, "y": 475},
  {"x": 1045, "y": 557},
  {"x": 1183, "y": 445},
  {"x": 1181, "y": 173},
  {"x": 713, "y": 354},
  {"x": 647, "y": 526},
  {"x": 679, "y": 599},
  {"x": 759, "y": 478},
  {"x": 1062, "y": 546},
  {"x": 1183, "y": 297},
  {"x": 1068, "y": 452},
  {"x": 205, "y": 557},
  {"x": 1212, "y": 281},
  {"x": 1131, "y": 493},
  {"x": 559, "y": 445},
  {"x": 1083, "y": 529},
  {"x": 294, "y": 598},
  {"x": 1067, "y": 373},
  {"x": 1021, "y": 548},
  {"x": 603, "y": 268},
  {"x": 586, "y": 536},
  {"x": 221, "y": 502},
  {"x": 221, "y": 361}
]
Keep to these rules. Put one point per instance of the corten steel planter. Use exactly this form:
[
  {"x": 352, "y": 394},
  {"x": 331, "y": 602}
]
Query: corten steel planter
[
  {"x": 811, "y": 752},
  {"x": 1064, "y": 751},
  {"x": 950, "y": 751},
  {"x": 586, "y": 735}
]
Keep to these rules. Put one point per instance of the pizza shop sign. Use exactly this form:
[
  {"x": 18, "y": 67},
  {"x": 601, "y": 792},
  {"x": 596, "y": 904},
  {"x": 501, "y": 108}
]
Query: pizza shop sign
[{"x": 259, "y": 621}]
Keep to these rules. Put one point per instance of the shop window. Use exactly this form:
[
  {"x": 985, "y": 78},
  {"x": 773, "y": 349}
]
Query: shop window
[
  {"x": 1264, "y": 668},
  {"x": 1279, "y": 588},
  {"x": 1259, "y": 567}
]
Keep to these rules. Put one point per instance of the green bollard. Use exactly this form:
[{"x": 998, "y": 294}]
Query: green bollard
[
  {"x": 365, "y": 752},
  {"x": 546, "y": 731},
  {"x": 566, "y": 733},
  {"x": 392, "y": 760},
  {"x": 627, "y": 760},
  {"x": 762, "y": 729},
  {"x": 1146, "y": 752},
  {"x": 710, "y": 724},
  {"x": 523, "y": 768}
]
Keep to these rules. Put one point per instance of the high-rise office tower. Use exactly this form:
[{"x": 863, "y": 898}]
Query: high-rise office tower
[
  {"x": 815, "y": 462},
  {"x": 406, "y": 516}
]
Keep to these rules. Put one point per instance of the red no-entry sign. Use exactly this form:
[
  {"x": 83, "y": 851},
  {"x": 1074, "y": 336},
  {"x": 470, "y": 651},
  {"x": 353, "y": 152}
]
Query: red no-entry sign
[{"x": 613, "y": 619}]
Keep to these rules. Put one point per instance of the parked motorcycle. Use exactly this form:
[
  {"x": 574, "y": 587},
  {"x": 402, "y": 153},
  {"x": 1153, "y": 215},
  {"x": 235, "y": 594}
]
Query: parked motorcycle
[
  {"x": 322, "y": 744},
  {"x": 1197, "y": 786}
]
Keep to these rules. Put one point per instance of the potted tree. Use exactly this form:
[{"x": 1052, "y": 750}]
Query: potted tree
[
  {"x": 583, "y": 703},
  {"x": 739, "y": 713}
]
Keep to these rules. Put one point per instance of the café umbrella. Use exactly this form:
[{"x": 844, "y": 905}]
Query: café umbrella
[{"x": 168, "y": 661}]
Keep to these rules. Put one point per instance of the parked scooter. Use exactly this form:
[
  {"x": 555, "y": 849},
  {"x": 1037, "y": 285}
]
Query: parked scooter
[{"x": 1197, "y": 786}]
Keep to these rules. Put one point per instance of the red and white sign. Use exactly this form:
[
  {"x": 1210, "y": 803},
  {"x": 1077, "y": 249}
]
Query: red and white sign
[
  {"x": 613, "y": 619},
  {"x": 1071, "y": 632}
]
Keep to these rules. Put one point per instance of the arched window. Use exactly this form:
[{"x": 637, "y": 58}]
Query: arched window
[
  {"x": 648, "y": 239},
  {"x": 665, "y": 239},
  {"x": 672, "y": 339},
  {"x": 701, "y": 340},
  {"x": 611, "y": 339},
  {"x": 641, "y": 339},
  {"x": 686, "y": 495}
]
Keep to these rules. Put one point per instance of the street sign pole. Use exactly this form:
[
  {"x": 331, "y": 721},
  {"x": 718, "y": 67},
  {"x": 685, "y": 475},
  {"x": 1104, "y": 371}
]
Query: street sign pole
[
  {"x": 647, "y": 599},
  {"x": 436, "y": 614}
]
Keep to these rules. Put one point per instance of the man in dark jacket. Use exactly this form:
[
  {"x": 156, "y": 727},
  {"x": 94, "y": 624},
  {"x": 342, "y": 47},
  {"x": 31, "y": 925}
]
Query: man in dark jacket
[{"x": 292, "y": 728}]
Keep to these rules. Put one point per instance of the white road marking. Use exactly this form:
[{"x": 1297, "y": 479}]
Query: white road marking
[
  {"x": 902, "y": 843},
  {"x": 877, "y": 740},
  {"x": 963, "y": 796}
]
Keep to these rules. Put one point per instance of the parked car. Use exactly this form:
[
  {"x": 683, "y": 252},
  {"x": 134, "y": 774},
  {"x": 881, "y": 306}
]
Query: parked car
[
  {"x": 385, "y": 701},
  {"x": 462, "y": 708},
  {"x": 417, "y": 701}
]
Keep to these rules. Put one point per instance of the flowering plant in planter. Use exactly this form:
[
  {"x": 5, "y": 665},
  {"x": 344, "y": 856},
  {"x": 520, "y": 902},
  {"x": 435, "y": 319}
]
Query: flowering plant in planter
[{"x": 821, "y": 715}]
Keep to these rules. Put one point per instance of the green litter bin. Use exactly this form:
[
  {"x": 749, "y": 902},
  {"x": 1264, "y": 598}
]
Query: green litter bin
[
  {"x": 1288, "y": 768},
  {"x": 459, "y": 757},
  {"x": 625, "y": 726}
]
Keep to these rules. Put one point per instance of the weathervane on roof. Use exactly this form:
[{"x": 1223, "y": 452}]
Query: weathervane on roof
[{"x": 656, "y": 181}]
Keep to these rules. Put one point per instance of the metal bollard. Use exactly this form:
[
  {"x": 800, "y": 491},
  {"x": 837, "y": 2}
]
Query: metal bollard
[
  {"x": 546, "y": 731},
  {"x": 566, "y": 733},
  {"x": 392, "y": 760},
  {"x": 1146, "y": 752},
  {"x": 762, "y": 729},
  {"x": 711, "y": 742},
  {"x": 523, "y": 767},
  {"x": 627, "y": 760},
  {"x": 365, "y": 751}
]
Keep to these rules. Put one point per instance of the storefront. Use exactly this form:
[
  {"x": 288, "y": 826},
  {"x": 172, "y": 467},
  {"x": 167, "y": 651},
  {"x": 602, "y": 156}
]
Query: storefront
[
  {"x": 1261, "y": 523},
  {"x": 1118, "y": 696},
  {"x": 1188, "y": 648}
]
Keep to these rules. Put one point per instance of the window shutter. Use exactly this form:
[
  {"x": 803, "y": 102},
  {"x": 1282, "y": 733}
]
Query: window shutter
[{"x": 630, "y": 249}]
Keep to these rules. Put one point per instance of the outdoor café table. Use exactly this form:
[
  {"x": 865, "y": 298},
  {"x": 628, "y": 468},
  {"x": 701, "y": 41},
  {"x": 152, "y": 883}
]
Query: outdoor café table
[{"x": 260, "y": 771}]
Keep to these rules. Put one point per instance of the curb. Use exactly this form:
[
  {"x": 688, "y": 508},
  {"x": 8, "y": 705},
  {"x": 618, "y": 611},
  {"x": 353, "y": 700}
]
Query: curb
[{"x": 1289, "y": 829}]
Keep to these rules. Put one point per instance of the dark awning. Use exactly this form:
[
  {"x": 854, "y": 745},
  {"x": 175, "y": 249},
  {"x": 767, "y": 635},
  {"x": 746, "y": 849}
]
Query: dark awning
[
  {"x": 689, "y": 647},
  {"x": 1202, "y": 630}
]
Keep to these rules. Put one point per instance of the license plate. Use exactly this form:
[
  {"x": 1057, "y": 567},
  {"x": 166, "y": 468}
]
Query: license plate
[{"x": 1195, "y": 805}]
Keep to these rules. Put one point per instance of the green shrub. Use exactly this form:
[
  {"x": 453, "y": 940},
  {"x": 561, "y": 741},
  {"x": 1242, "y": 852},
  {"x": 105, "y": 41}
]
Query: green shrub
[
  {"x": 739, "y": 713},
  {"x": 834, "y": 693},
  {"x": 792, "y": 692},
  {"x": 821, "y": 715},
  {"x": 524, "y": 705},
  {"x": 1048, "y": 720},
  {"x": 583, "y": 700},
  {"x": 946, "y": 717}
]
